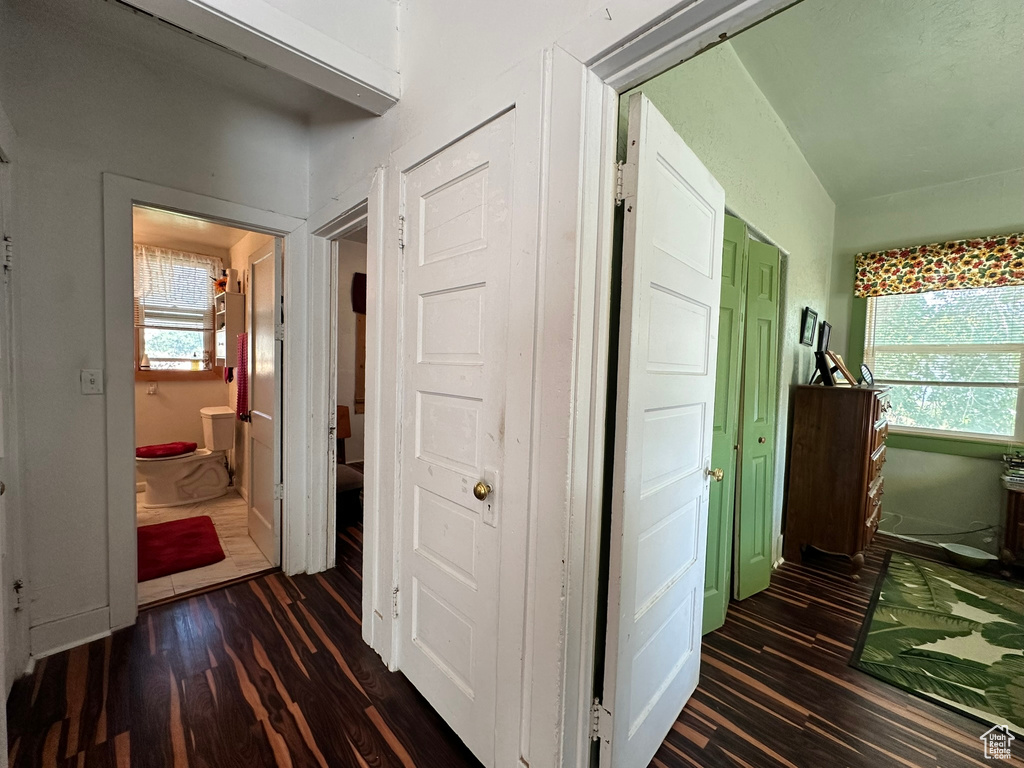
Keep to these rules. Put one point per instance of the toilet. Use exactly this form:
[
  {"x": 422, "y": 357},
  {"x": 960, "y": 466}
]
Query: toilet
[{"x": 178, "y": 473}]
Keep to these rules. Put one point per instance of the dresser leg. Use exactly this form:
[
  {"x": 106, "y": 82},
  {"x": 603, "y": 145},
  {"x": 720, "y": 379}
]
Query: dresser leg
[{"x": 858, "y": 562}]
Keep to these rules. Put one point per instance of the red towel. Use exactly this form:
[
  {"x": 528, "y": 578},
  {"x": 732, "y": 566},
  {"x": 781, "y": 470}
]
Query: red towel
[{"x": 242, "y": 378}]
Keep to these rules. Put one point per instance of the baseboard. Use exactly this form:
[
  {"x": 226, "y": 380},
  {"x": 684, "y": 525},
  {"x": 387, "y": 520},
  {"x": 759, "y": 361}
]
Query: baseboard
[
  {"x": 55, "y": 636},
  {"x": 242, "y": 492},
  {"x": 140, "y": 487}
]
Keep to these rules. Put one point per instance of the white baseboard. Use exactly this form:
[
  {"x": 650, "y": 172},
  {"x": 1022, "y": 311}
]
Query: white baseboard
[{"x": 55, "y": 636}]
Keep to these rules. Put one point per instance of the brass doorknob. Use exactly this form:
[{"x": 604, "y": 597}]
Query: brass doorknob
[
  {"x": 481, "y": 490},
  {"x": 718, "y": 474}
]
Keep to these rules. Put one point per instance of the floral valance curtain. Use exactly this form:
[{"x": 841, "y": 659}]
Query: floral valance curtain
[{"x": 980, "y": 262}]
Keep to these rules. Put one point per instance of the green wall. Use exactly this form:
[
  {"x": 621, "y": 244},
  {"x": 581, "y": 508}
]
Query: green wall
[
  {"x": 725, "y": 119},
  {"x": 931, "y": 484}
]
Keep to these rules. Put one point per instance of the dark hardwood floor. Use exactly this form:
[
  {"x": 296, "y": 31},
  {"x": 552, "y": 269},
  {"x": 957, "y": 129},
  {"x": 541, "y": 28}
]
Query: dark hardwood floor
[
  {"x": 270, "y": 672},
  {"x": 273, "y": 672},
  {"x": 775, "y": 688}
]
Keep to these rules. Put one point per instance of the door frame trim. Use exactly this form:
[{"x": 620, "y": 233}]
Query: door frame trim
[
  {"x": 360, "y": 203},
  {"x": 120, "y": 194}
]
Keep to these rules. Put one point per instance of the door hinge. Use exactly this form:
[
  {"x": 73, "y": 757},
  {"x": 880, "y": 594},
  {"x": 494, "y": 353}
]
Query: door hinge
[
  {"x": 394, "y": 602},
  {"x": 600, "y": 721},
  {"x": 279, "y": 492},
  {"x": 620, "y": 194},
  {"x": 8, "y": 255},
  {"x": 279, "y": 332},
  {"x": 401, "y": 232}
]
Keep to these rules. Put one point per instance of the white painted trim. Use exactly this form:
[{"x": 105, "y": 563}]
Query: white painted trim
[
  {"x": 294, "y": 48},
  {"x": 119, "y": 194},
  {"x": 593, "y": 319},
  {"x": 323, "y": 392},
  {"x": 662, "y": 40},
  {"x": 62, "y": 634}
]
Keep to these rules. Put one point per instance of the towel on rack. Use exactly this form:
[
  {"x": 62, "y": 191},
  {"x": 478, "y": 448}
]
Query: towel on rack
[{"x": 242, "y": 378}]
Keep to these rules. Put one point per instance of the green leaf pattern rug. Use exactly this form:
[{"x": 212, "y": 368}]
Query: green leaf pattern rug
[{"x": 950, "y": 635}]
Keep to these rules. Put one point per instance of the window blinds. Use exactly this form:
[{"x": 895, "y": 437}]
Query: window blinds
[
  {"x": 971, "y": 337},
  {"x": 174, "y": 290}
]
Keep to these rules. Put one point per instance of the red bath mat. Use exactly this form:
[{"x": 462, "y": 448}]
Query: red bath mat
[{"x": 179, "y": 545}]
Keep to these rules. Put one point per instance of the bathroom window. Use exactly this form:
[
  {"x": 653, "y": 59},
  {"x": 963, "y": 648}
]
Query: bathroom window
[
  {"x": 174, "y": 294},
  {"x": 954, "y": 360}
]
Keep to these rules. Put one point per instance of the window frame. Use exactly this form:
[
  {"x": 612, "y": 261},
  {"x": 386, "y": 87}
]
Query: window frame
[
  {"x": 213, "y": 372},
  {"x": 945, "y": 434}
]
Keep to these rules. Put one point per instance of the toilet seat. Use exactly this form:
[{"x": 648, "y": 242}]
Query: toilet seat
[{"x": 164, "y": 451}]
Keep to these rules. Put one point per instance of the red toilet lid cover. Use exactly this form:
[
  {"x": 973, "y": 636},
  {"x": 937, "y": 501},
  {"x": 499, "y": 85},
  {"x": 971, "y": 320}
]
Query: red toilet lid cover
[{"x": 164, "y": 450}]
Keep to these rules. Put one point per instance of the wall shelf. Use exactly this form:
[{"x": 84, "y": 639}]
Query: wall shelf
[{"x": 228, "y": 322}]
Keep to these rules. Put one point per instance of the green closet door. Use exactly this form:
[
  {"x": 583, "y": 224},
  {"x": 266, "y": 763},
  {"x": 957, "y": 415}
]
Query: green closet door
[
  {"x": 757, "y": 424},
  {"x": 718, "y": 571}
]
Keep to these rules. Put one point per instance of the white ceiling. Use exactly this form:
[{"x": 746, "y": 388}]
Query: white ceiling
[
  {"x": 121, "y": 26},
  {"x": 888, "y": 95},
  {"x": 172, "y": 230}
]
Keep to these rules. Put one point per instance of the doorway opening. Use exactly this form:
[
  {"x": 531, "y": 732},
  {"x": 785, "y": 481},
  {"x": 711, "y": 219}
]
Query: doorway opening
[
  {"x": 348, "y": 366},
  {"x": 207, "y": 358}
]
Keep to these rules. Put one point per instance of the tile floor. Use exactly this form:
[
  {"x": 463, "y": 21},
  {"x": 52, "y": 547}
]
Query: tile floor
[{"x": 243, "y": 557}]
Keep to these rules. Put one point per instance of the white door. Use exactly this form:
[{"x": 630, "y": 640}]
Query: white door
[
  {"x": 457, "y": 209},
  {"x": 265, "y": 399},
  {"x": 671, "y": 274}
]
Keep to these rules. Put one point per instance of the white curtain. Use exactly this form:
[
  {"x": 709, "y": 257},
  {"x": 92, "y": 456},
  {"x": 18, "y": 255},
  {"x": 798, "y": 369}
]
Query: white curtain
[{"x": 174, "y": 290}]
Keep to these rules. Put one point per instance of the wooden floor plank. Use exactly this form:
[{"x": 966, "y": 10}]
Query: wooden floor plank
[{"x": 275, "y": 673}]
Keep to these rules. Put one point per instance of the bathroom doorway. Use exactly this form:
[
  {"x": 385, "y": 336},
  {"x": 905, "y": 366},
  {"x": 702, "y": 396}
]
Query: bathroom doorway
[{"x": 207, "y": 299}]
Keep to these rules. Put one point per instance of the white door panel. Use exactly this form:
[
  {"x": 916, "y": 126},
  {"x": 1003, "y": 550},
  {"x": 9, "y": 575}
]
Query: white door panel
[
  {"x": 264, "y": 305},
  {"x": 457, "y": 256},
  {"x": 671, "y": 273}
]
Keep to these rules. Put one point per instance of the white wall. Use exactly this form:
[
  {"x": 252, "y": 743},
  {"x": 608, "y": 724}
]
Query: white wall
[
  {"x": 933, "y": 493},
  {"x": 351, "y": 259},
  {"x": 724, "y": 118},
  {"x": 172, "y": 412},
  {"x": 83, "y": 106}
]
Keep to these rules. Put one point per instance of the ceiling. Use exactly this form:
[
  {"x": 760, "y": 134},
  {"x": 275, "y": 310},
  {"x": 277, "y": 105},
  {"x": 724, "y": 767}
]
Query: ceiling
[
  {"x": 172, "y": 230},
  {"x": 888, "y": 95},
  {"x": 163, "y": 47}
]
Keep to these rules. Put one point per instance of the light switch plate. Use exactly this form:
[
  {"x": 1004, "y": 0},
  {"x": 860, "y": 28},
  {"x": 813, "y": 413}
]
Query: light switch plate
[{"x": 92, "y": 381}]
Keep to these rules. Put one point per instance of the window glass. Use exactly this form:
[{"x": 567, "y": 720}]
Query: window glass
[{"x": 952, "y": 358}]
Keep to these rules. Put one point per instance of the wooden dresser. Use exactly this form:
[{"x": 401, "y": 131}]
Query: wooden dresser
[{"x": 835, "y": 487}]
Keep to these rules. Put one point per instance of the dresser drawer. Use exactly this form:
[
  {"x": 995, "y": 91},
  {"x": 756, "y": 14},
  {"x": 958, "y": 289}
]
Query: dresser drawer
[
  {"x": 882, "y": 406},
  {"x": 875, "y": 469},
  {"x": 881, "y": 432}
]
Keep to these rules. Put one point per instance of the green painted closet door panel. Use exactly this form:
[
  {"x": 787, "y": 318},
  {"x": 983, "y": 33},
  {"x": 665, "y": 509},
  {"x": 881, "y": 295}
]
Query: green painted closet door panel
[
  {"x": 718, "y": 571},
  {"x": 757, "y": 424}
]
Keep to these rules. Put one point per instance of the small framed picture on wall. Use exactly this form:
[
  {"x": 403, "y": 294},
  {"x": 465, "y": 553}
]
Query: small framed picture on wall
[{"x": 808, "y": 326}]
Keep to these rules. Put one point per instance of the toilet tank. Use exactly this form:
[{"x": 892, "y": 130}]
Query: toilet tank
[{"x": 218, "y": 427}]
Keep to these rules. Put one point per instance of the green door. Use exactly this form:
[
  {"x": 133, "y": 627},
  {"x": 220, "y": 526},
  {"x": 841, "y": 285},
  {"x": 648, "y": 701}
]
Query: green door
[
  {"x": 757, "y": 423},
  {"x": 718, "y": 571}
]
